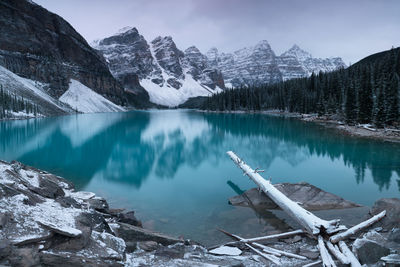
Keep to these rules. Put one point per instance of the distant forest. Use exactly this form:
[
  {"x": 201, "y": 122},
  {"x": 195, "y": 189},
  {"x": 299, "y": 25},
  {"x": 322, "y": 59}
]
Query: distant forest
[
  {"x": 366, "y": 92},
  {"x": 10, "y": 103}
]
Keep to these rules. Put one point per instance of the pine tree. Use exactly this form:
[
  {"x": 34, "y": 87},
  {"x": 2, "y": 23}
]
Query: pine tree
[
  {"x": 350, "y": 106},
  {"x": 392, "y": 102},
  {"x": 365, "y": 99}
]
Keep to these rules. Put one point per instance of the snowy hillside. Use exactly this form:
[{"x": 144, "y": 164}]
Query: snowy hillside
[
  {"x": 85, "y": 100},
  {"x": 31, "y": 91}
]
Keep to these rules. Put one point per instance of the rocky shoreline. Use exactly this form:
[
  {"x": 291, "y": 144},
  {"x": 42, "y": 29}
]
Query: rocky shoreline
[{"x": 45, "y": 222}]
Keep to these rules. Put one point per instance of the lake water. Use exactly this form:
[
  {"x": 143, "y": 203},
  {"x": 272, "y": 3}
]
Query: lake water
[{"x": 171, "y": 167}]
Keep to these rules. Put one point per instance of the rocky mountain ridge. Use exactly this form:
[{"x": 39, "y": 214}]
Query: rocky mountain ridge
[
  {"x": 171, "y": 76},
  {"x": 39, "y": 45}
]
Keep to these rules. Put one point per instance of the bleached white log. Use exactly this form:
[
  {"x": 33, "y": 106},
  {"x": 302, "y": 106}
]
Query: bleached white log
[
  {"x": 336, "y": 252},
  {"x": 278, "y": 251},
  {"x": 347, "y": 252},
  {"x": 309, "y": 221},
  {"x": 272, "y": 258},
  {"x": 313, "y": 263},
  {"x": 344, "y": 235},
  {"x": 268, "y": 237},
  {"x": 326, "y": 258}
]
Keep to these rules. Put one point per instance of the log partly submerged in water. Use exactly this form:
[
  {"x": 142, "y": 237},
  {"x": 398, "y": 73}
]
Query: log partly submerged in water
[{"x": 311, "y": 223}]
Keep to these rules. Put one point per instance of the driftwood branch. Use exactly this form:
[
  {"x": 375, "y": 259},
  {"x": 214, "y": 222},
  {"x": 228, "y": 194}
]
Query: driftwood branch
[
  {"x": 272, "y": 258},
  {"x": 309, "y": 221},
  {"x": 268, "y": 237},
  {"x": 337, "y": 253},
  {"x": 356, "y": 228},
  {"x": 347, "y": 252},
  {"x": 325, "y": 256}
]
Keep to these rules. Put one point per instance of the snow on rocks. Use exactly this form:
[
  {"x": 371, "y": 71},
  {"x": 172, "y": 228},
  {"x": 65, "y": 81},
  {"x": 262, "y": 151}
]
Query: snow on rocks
[
  {"x": 84, "y": 99},
  {"x": 225, "y": 250}
]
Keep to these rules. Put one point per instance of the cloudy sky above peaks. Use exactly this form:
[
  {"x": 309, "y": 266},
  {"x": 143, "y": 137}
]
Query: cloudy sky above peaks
[{"x": 351, "y": 29}]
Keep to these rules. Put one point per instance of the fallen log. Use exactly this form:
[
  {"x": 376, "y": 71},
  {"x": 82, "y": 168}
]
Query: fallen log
[
  {"x": 356, "y": 228},
  {"x": 273, "y": 251},
  {"x": 349, "y": 255},
  {"x": 306, "y": 219},
  {"x": 272, "y": 258},
  {"x": 326, "y": 258},
  {"x": 337, "y": 253},
  {"x": 268, "y": 237}
]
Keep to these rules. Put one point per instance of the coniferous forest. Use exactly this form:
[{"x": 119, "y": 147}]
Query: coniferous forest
[
  {"x": 12, "y": 103},
  {"x": 366, "y": 92}
]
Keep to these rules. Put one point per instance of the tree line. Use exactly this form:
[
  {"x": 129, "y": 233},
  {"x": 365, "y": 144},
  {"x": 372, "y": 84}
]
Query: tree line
[
  {"x": 366, "y": 92},
  {"x": 10, "y": 103}
]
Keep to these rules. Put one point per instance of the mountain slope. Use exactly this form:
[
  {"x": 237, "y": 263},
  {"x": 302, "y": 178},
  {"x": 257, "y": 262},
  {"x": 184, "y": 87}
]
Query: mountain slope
[
  {"x": 169, "y": 75},
  {"x": 40, "y": 45}
]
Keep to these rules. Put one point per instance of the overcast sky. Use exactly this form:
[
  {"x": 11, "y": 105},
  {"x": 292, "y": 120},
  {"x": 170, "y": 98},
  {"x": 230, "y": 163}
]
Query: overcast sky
[{"x": 345, "y": 28}]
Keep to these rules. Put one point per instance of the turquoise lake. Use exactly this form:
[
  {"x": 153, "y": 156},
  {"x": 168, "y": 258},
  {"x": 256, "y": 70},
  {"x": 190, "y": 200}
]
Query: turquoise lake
[{"x": 170, "y": 166}]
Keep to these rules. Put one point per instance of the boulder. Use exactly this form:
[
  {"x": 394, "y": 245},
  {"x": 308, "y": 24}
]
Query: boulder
[
  {"x": 131, "y": 233},
  {"x": 67, "y": 260},
  {"x": 64, "y": 230},
  {"x": 394, "y": 235},
  {"x": 68, "y": 202},
  {"x": 370, "y": 252},
  {"x": 126, "y": 217},
  {"x": 24, "y": 257},
  {"x": 63, "y": 243},
  {"x": 98, "y": 203},
  {"x": 93, "y": 220},
  {"x": 392, "y": 207},
  {"x": 111, "y": 242},
  {"x": 172, "y": 252},
  {"x": 309, "y": 197},
  {"x": 47, "y": 188},
  {"x": 148, "y": 245},
  {"x": 5, "y": 248}
]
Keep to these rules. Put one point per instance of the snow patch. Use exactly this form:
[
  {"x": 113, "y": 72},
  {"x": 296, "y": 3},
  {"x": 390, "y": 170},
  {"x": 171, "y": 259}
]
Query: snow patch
[
  {"x": 84, "y": 99},
  {"x": 225, "y": 250}
]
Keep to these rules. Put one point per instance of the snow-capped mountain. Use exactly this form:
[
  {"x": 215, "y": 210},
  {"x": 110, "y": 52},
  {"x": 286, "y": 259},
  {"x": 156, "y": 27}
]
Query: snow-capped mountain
[
  {"x": 259, "y": 64},
  {"x": 296, "y": 63},
  {"x": 251, "y": 65},
  {"x": 169, "y": 75}
]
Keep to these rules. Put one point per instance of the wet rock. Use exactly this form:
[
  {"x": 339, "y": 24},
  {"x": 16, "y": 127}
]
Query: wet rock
[
  {"x": 132, "y": 233},
  {"x": 98, "y": 203},
  {"x": 369, "y": 252},
  {"x": 5, "y": 218},
  {"x": 128, "y": 217},
  {"x": 392, "y": 207},
  {"x": 148, "y": 245},
  {"x": 67, "y": 202},
  {"x": 63, "y": 243},
  {"x": 394, "y": 235},
  {"x": 308, "y": 253},
  {"x": 111, "y": 242},
  {"x": 47, "y": 189},
  {"x": 24, "y": 257},
  {"x": 93, "y": 220},
  {"x": 68, "y": 260},
  {"x": 5, "y": 248},
  {"x": 309, "y": 197},
  {"x": 131, "y": 246},
  {"x": 174, "y": 252}
]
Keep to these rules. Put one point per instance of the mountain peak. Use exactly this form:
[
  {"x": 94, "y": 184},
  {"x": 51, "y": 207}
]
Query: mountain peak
[
  {"x": 297, "y": 52},
  {"x": 127, "y": 30},
  {"x": 263, "y": 44}
]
